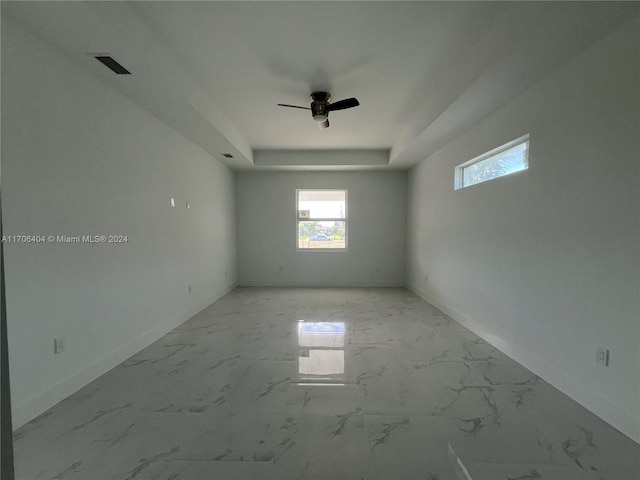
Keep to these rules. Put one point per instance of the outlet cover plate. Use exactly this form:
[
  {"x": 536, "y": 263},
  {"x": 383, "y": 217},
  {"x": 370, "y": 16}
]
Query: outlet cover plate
[
  {"x": 59, "y": 344},
  {"x": 602, "y": 356}
]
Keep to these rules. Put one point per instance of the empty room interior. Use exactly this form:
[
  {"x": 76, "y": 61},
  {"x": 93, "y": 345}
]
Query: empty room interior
[{"x": 329, "y": 240}]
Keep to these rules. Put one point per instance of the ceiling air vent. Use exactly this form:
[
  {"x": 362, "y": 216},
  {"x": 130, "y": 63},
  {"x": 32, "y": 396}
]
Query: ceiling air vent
[
  {"x": 110, "y": 63},
  {"x": 227, "y": 155}
]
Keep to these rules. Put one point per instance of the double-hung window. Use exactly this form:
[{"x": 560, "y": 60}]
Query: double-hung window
[{"x": 321, "y": 219}]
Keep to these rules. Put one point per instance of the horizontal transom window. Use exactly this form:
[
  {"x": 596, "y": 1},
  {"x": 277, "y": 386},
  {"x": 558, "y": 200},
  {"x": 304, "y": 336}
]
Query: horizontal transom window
[{"x": 507, "y": 159}]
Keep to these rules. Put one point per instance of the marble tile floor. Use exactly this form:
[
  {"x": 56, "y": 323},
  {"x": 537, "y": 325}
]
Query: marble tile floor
[{"x": 323, "y": 384}]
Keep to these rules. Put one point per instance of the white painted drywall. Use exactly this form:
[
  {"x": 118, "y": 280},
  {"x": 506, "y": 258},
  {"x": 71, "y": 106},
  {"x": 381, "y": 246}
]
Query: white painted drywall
[
  {"x": 78, "y": 158},
  {"x": 545, "y": 263},
  {"x": 318, "y": 158},
  {"x": 266, "y": 213}
]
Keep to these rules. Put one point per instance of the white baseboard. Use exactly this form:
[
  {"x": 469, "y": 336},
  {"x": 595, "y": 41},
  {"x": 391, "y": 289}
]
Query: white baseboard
[
  {"x": 312, "y": 284},
  {"x": 31, "y": 408},
  {"x": 617, "y": 417}
]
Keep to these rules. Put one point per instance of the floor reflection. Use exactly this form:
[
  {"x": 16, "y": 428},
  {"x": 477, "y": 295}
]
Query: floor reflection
[{"x": 321, "y": 353}]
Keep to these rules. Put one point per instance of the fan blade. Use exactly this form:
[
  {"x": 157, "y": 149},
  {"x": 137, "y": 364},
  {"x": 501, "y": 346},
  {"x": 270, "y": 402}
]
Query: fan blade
[
  {"x": 324, "y": 124},
  {"x": 293, "y": 106},
  {"x": 343, "y": 104}
]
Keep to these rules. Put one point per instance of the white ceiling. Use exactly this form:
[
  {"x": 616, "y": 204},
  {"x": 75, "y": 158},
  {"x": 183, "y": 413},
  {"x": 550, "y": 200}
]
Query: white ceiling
[{"x": 422, "y": 71}]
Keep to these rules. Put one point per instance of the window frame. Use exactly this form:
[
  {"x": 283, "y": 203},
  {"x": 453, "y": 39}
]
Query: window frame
[
  {"x": 345, "y": 220},
  {"x": 459, "y": 170}
]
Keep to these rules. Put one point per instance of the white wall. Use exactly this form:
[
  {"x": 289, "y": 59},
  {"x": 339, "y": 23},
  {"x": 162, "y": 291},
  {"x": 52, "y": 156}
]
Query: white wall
[
  {"x": 79, "y": 158},
  {"x": 545, "y": 263},
  {"x": 266, "y": 212}
]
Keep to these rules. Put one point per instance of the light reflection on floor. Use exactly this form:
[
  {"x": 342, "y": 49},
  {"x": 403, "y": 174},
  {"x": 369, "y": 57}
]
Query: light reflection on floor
[{"x": 321, "y": 352}]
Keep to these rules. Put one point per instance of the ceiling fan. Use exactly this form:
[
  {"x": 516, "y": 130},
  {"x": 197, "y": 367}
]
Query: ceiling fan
[{"x": 320, "y": 107}]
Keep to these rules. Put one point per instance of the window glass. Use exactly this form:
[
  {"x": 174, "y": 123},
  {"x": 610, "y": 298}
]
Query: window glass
[{"x": 505, "y": 160}]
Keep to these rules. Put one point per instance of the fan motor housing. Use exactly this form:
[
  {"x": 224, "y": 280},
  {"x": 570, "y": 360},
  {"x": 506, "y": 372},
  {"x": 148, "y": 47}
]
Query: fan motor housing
[
  {"x": 319, "y": 111},
  {"x": 319, "y": 106}
]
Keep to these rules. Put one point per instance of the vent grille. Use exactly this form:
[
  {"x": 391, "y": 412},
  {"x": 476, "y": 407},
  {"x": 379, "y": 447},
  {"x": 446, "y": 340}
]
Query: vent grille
[
  {"x": 227, "y": 155},
  {"x": 110, "y": 63}
]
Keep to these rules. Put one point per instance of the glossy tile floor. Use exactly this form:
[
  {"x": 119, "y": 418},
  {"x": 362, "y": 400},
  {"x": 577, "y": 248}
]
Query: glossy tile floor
[{"x": 282, "y": 383}]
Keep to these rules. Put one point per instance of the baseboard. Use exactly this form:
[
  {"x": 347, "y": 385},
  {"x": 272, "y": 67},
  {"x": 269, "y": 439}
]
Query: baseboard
[
  {"x": 620, "y": 419},
  {"x": 312, "y": 283},
  {"x": 35, "y": 406}
]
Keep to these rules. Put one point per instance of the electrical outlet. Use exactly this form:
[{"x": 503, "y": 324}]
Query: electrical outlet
[
  {"x": 172, "y": 201},
  {"x": 602, "y": 356},
  {"x": 59, "y": 344}
]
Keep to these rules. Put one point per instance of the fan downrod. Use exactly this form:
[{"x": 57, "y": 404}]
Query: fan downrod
[{"x": 322, "y": 97}]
